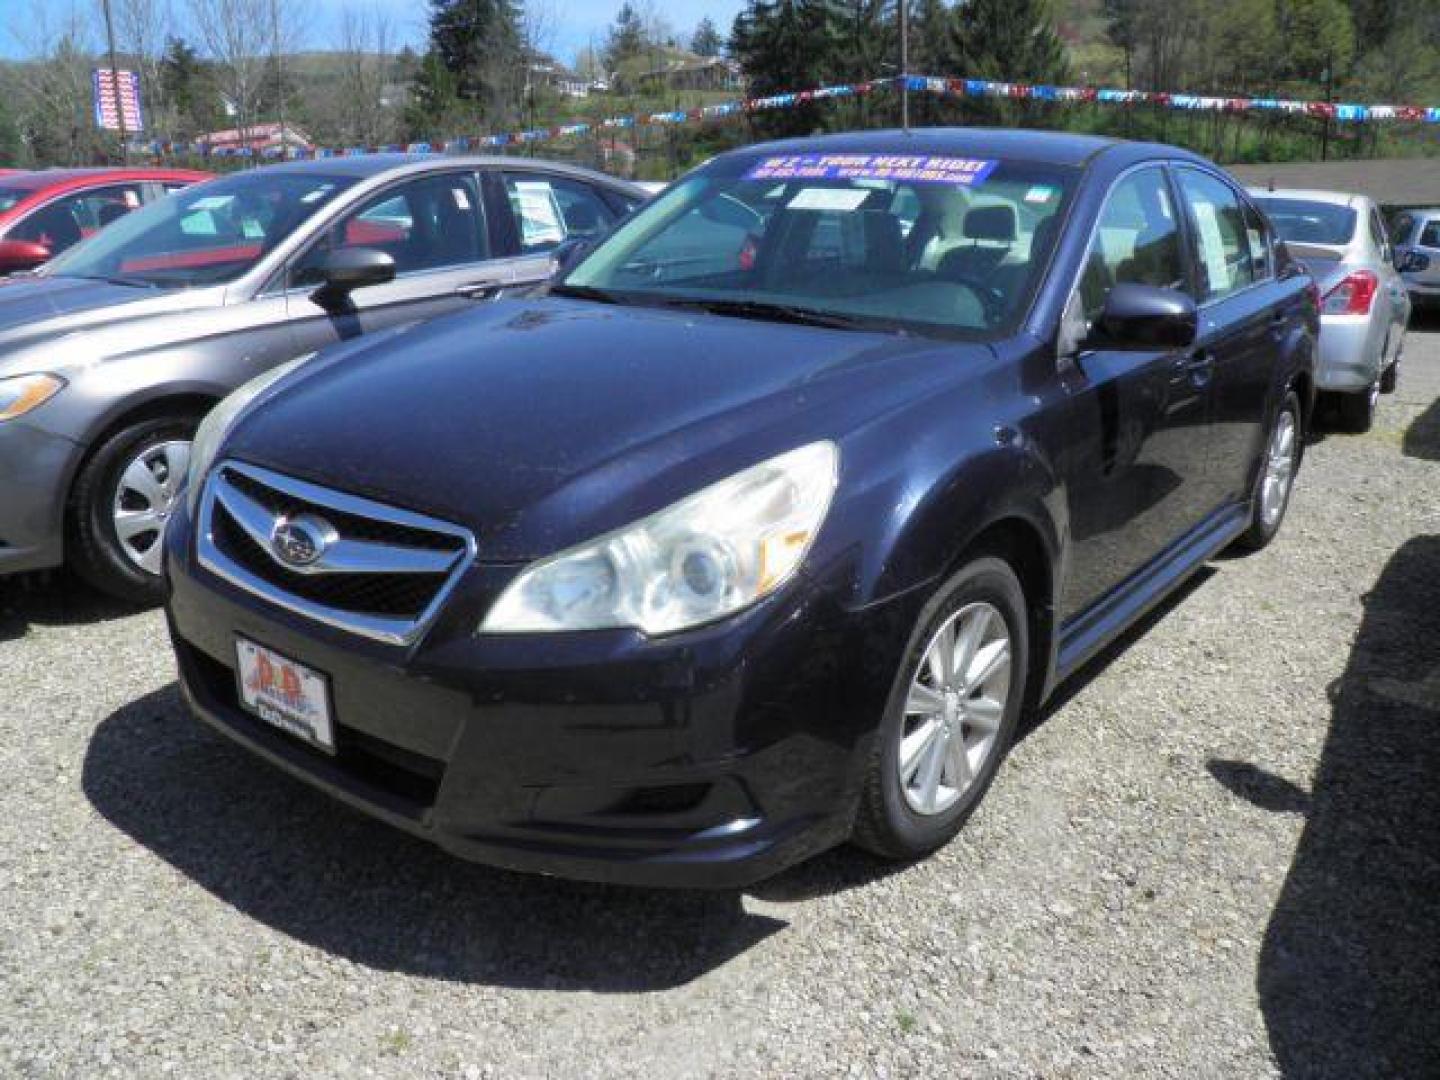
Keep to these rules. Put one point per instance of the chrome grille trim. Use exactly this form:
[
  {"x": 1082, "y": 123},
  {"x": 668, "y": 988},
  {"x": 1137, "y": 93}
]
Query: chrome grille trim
[{"x": 347, "y": 556}]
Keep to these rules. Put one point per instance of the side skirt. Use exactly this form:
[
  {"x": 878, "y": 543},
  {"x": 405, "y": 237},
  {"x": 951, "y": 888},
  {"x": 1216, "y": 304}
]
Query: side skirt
[{"x": 1090, "y": 631}]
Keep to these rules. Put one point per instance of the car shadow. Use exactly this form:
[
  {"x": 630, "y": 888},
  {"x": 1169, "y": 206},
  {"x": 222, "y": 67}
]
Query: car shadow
[
  {"x": 53, "y": 599},
  {"x": 1422, "y": 438},
  {"x": 1349, "y": 975},
  {"x": 302, "y": 863}
]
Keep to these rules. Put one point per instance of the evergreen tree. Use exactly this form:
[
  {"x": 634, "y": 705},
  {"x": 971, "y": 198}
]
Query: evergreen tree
[
  {"x": 706, "y": 40},
  {"x": 627, "y": 38},
  {"x": 474, "y": 70},
  {"x": 1009, "y": 40},
  {"x": 785, "y": 45}
]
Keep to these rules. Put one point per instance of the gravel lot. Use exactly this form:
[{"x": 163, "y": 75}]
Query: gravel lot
[{"x": 1219, "y": 856}]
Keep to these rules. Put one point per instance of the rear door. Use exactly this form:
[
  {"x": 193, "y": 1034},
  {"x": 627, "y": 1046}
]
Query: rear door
[
  {"x": 544, "y": 210},
  {"x": 434, "y": 228},
  {"x": 1137, "y": 481},
  {"x": 1242, "y": 321}
]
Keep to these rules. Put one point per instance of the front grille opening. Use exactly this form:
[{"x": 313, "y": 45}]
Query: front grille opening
[
  {"x": 351, "y": 525},
  {"x": 675, "y": 799},
  {"x": 404, "y": 596}
]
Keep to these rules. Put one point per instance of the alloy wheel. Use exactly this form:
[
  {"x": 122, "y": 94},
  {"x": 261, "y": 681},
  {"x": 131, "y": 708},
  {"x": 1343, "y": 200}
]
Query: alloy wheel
[
  {"x": 144, "y": 499},
  {"x": 954, "y": 708},
  {"x": 1279, "y": 469}
]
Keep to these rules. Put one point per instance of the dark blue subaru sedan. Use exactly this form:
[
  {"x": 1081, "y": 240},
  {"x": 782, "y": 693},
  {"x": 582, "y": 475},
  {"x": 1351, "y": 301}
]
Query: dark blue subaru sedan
[{"x": 764, "y": 527}]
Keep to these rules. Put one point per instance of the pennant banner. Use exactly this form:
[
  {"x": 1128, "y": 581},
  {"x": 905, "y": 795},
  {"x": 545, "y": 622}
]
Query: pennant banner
[{"x": 1344, "y": 112}]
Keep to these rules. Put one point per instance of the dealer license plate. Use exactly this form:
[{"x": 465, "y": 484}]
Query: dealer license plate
[{"x": 285, "y": 693}]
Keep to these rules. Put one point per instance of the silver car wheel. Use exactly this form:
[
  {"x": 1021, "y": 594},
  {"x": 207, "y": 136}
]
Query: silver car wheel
[
  {"x": 144, "y": 499},
  {"x": 954, "y": 708},
  {"x": 1279, "y": 469}
]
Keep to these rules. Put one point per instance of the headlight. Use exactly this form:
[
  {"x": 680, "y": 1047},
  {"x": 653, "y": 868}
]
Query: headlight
[
  {"x": 221, "y": 419},
  {"x": 20, "y": 394},
  {"x": 701, "y": 559}
]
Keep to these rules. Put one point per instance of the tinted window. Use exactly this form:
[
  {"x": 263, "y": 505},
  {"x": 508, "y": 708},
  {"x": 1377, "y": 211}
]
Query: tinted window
[
  {"x": 210, "y": 233},
  {"x": 1401, "y": 227},
  {"x": 11, "y": 197},
  {"x": 1257, "y": 235},
  {"x": 1222, "y": 248},
  {"x": 1430, "y": 235},
  {"x": 425, "y": 224},
  {"x": 1137, "y": 241},
  {"x": 925, "y": 243},
  {"x": 65, "y": 222},
  {"x": 550, "y": 210},
  {"x": 1307, "y": 222}
]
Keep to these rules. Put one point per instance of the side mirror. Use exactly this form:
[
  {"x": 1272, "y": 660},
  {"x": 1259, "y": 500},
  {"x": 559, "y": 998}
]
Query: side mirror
[
  {"x": 348, "y": 269},
  {"x": 20, "y": 255},
  {"x": 1146, "y": 317},
  {"x": 569, "y": 255}
]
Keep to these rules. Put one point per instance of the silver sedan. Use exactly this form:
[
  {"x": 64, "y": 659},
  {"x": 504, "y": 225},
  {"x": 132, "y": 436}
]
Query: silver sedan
[{"x": 1342, "y": 240}]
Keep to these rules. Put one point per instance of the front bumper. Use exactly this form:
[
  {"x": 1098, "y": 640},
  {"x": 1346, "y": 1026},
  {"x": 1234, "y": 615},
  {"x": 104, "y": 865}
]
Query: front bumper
[
  {"x": 712, "y": 759},
  {"x": 34, "y": 467}
]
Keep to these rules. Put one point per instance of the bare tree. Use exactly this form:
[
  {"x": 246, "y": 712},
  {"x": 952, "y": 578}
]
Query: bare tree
[
  {"x": 141, "y": 27},
  {"x": 247, "y": 40},
  {"x": 365, "y": 55},
  {"x": 55, "y": 107}
]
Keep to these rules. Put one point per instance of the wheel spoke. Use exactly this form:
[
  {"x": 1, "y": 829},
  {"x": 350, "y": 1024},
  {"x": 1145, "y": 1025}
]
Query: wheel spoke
[
  {"x": 139, "y": 479},
  {"x": 923, "y": 700},
  {"x": 177, "y": 464},
  {"x": 928, "y": 781},
  {"x": 957, "y": 764},
  {"x": 941, "y": 657},
  {"x": 984, "y": 714},
  {"x": 989, "y": 663},
  {"x": 916, "y": 746},
  {"x": 972, "y": 632},
  {"x": 132, "y": 523},
  {"x": 149, "y": 559}
]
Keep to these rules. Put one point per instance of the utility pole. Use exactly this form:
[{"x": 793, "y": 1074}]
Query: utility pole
[
  {"x": 1325, "y": 129},
  {"x": 904, "y": 65},
  {"x": 115, "y": 82},
  {"x": 279, "y": 73}
]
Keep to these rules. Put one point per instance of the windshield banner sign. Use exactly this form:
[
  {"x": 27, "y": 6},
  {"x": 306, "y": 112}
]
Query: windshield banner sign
[{"x": 914, "y": 168}]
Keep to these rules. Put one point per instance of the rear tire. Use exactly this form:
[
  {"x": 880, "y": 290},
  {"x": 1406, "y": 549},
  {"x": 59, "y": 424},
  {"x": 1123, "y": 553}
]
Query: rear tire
[
  {"x": 954, "y": 728},
  {"x": 1357, "y": 411},
  {"x": 1274, "y": 481},
  {"x": 1390, "y": 380},
  {"x": 131, "y": 481}
]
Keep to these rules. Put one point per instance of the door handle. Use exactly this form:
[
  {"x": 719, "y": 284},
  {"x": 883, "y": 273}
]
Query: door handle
[
  {"x": 479, "y": 290},
  {"x": 1198, "y": 366}
]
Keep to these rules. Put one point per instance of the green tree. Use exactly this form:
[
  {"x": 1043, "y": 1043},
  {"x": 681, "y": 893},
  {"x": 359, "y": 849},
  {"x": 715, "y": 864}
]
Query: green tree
[
  {"x": 785, "y": 45},
  {"x": 1319, "y": 35},
  {"x": 706, "y": 41},
  {"x": 626, "y": 39},
  {"x": 1009, "y": 40},
  {"x": 474, "y": 71}
]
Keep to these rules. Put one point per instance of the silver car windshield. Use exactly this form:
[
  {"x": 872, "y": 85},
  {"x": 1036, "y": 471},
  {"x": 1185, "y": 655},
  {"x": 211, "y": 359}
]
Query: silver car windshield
[
  {"x": 946, "y": 245},
  {"x": 1304, "y": 222},
  {"x": 204, "y": 235}
]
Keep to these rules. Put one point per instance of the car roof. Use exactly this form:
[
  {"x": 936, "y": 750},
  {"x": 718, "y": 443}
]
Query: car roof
[
  {"x": 45, "y": 179},
  {"x": 1048, "y": 147},
  {"x": 1332, "y": 198},
  {"x": 366, "y": 166}
]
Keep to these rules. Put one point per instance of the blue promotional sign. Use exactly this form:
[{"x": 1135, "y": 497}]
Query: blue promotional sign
[{"x": 915, "y": 168}]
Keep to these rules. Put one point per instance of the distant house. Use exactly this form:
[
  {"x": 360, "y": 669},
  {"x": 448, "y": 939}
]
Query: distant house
[
  {"x": 257, "y": 138},
  {"x": 545, "y": 70},
  {"x": 690, "y": 72}
]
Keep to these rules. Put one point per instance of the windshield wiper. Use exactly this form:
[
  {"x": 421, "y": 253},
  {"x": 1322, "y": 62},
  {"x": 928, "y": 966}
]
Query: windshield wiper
[
  {"x": 761, "y": 309},
  {"x": 586, "y": 292}
]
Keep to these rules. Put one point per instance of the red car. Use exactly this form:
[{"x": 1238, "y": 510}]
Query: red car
[{"x": 43, "y": 213}]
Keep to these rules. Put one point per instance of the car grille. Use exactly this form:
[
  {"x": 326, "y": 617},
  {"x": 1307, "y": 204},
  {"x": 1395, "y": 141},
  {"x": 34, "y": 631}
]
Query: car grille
[{"x": 381, "y": 572}]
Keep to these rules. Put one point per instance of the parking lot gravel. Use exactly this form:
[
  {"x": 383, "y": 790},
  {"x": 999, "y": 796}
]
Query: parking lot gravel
[{"x": 1218, "y": 855}]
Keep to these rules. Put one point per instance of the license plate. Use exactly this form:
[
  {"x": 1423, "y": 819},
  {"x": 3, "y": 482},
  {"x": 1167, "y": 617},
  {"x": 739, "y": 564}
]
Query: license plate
[{"x": 286, "y": 694}]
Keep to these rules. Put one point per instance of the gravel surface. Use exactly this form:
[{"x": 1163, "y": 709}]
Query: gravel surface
[{"x": 1218, "y": 856}]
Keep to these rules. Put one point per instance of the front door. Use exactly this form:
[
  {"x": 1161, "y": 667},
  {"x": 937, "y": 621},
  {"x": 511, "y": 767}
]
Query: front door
[
  {"x": 1138, "y": 418},
  {"x": 434, "y": 227}
]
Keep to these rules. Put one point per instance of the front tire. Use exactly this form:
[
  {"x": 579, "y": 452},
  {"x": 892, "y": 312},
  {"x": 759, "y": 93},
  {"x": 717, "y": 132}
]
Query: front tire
[
  {"x": 951, "y": 715},
  {"x": 121, "y": 501},
  {"x": 1276, "y": 479}
]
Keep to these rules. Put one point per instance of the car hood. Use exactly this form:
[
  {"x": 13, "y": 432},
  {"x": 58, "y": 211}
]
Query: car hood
[
  {"x": 33, "y": 309},
  {"x": 540, "y": 424}
]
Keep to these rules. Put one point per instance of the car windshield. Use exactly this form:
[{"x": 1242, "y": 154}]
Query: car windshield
[
  {"x": 1303, "y": 222},
  {"x": 12, "y": 197},
  {"x": 205, "y": 235},
  {"x": 931, "y": 244}
]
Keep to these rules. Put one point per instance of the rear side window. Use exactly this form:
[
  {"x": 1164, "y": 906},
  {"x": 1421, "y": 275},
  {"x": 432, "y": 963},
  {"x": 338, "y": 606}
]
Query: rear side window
[
  {"x": 1137, "y": 241},
  {"x": 1257, "y": 237},
  {"x": 1222, "y": 246},
  {"x": 1401, "y": 227},
  {"x": 1430, "y": 235}
]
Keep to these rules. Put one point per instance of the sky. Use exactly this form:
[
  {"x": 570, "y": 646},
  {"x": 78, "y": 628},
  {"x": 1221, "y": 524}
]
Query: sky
[{"x": 575, "y": 22}]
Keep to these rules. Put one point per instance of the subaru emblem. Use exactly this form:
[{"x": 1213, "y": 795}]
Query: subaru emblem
[{"x": 301, "y": 541}]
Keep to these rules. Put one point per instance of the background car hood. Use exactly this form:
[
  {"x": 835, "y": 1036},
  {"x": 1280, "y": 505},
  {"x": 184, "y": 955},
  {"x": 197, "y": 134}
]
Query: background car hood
[
  {"x": 539, "y": 424},
  {"x": 33, "y": 309}
]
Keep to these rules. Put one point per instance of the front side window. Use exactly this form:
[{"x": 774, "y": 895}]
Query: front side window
[
  {"x": 549, "y": 210},
  {"x": 1257, "y": 236},
  {"x": 946, "y": 245},
  {"x": 1222, "y": 248},
  {"x": 205, "y": 235},
  {"x": 430, "y": 223},
  {"x": 1137, "y": 241},
  {"x": 63, "y": 223}
]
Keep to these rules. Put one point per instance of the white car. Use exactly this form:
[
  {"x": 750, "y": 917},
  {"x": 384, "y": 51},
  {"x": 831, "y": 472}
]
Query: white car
[{"x": 1343, "y": 242}]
